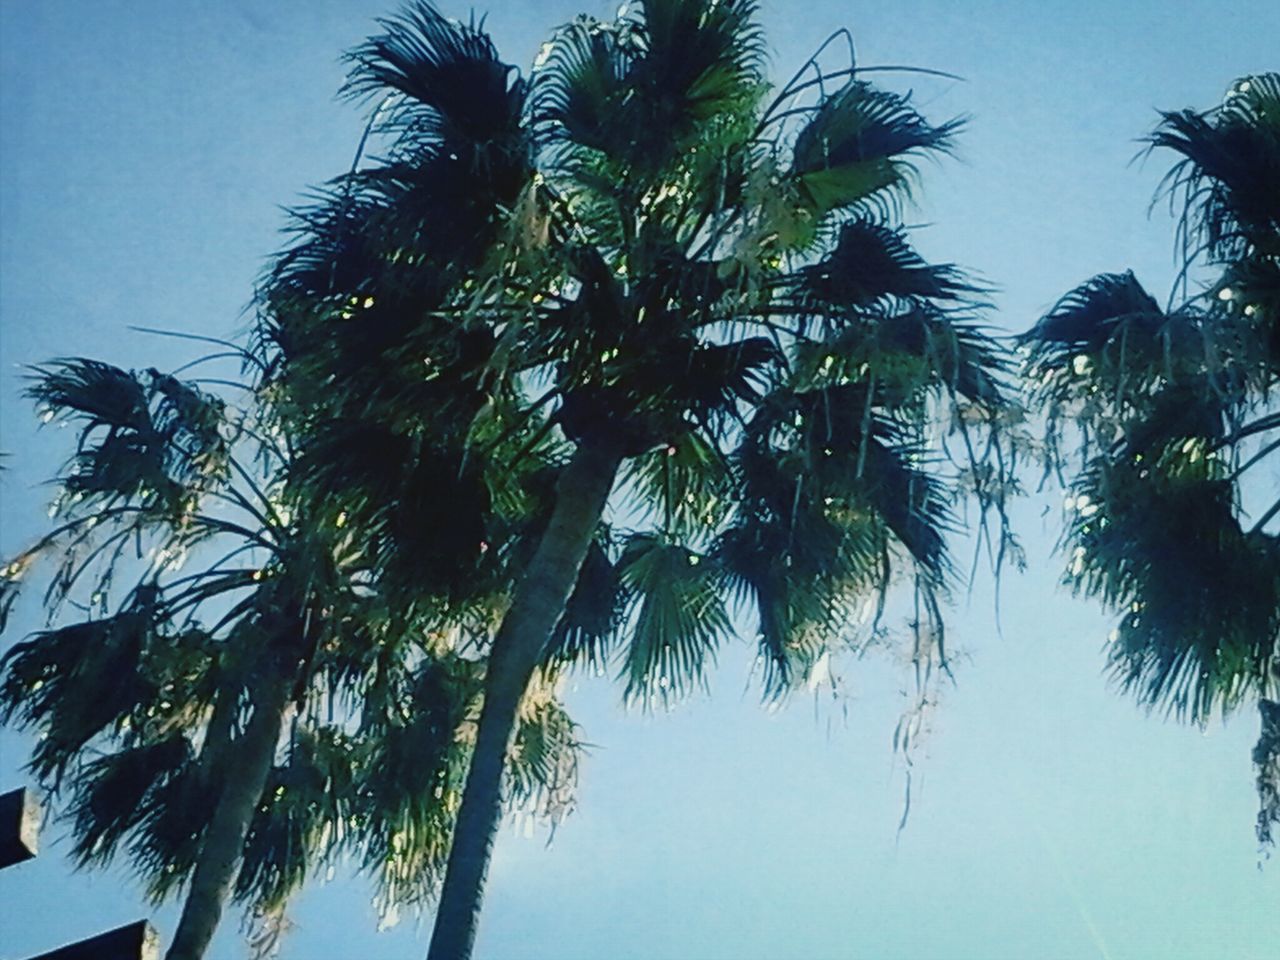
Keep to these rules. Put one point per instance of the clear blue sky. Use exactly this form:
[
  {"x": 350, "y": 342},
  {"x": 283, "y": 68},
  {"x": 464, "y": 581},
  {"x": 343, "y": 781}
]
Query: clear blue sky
[{"x": 147, "y": 148}]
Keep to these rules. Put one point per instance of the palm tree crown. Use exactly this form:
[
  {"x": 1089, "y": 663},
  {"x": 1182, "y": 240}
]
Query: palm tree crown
[
  {"x": 724, "y": 305},
  {"x": 158, "y": 691},
  {"x": 1169, "y": 521}
]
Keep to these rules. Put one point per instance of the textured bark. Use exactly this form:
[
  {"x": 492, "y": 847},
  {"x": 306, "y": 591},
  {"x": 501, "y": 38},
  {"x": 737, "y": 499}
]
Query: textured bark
[
  {"x": 220, "y": 855},
  {"x": 537, "y": 606}
]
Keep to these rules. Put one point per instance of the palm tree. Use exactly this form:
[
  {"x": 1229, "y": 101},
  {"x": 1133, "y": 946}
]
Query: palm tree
[
  {"x": 1170, "y": 522},
  {"x": 667, "y": 282},
  {"x": 151, "y": 471},
  {"x": 272, "y": 679}
]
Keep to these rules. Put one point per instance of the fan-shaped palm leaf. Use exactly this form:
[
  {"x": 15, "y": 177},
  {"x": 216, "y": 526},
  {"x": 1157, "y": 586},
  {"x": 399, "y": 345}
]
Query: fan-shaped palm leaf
[
  {"x": 856, "y": 143},
  {"x": 679, "y": 618}
]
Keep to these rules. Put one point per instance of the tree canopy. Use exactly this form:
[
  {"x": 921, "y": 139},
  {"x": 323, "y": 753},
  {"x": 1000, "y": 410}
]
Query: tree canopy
[
  {"x": 239, "y": 727},
  {"x": 639, "y": 267},
  {"x": 606, "y": 364},
  {"x": 1165, "y": 419}
]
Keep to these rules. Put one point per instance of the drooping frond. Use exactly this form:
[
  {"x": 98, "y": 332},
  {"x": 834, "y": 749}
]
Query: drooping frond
[
  {"x": 682, "y": 488},
  {"x": 871, "y": 262},
  {"x": 409, "y": 786},
  {"x": 144, "y": 436},
  {"x": 112, "y": 794},
  {"x": 167, "y": 842},
  {"x": 457, "y": 89},
  {"x": 1266, "y": 760},
  {"x": 593, "y": 614},
  {"x": 1157, "y": 538},
  {"x": 298, "y": 823},
  {"x": 542, "y": 763},
  {"x": 53, "y": 682},
  {"x": 679, "y": 618},
  {"x": 1090, "y": 315},
  {"x": 1226, "y": 181}
]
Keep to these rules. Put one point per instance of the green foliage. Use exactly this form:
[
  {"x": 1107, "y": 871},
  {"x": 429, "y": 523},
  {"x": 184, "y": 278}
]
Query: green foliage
[
  {"x": 857, "y": 143},
  {"x": 726, "y": 298},
  {"x": 278, "y": 584},
  {"x": 144, "y": 435},
  {"x": 1168, "y": 414},
  {"x": 638, "y": 248},
  {"x": 679, "y": 617},
  {"x": 1266, "y": 758}
]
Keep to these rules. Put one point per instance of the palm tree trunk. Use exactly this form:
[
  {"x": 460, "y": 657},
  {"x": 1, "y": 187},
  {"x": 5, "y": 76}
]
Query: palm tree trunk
[
  {"x": 223, "y": 847},
  {"x": 537, "y": 606}
]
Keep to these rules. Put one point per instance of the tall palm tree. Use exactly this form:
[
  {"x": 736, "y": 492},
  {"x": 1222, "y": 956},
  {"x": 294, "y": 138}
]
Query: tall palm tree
[
  {"x": 238, "y": 727},
  {"x": 678, "y": 286},
  {"x": 1171, "y": 522}
]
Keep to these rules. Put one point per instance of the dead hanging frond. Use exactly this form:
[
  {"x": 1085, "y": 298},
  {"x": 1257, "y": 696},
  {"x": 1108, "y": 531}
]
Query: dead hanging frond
[{"x": 1266, "y": 760}]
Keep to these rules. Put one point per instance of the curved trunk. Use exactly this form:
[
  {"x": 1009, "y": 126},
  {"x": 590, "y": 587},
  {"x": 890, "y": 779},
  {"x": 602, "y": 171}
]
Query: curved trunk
[
  {"x": 220, "y": 855},
  {"x": 537, "y": 606}
]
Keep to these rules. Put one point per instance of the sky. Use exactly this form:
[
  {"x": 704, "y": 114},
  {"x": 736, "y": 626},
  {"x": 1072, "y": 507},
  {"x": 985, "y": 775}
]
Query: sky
[{"x": 146, "y": 150}]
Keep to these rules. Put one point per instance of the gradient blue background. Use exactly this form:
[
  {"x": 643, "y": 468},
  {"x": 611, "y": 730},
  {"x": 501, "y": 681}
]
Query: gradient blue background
[{"x": 147, "y": 148}]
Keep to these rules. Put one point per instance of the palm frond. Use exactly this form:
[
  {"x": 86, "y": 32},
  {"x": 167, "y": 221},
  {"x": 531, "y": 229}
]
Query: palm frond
[
  {"x": 145, "y": 436},
  {"x": 1231, "y": 162},
  {"x": 1266, "y": 759},
  {"x": 796, "y": 615},
  {"x": 1156, "y": 538},
  {"x": 679, "y": 618},
  {"x": 409, "y": 786},
  {"x": 171, "y": 827},
  {"x": 54, "y": 683},
  {"x": 702, "y": 59},
  {"x": 294, "y": 828},
  {"x": 542, "y": 763},
  {"x": 593, "y": 614},
  {"x": 859, "y": 142},
  {"x": 579, "y": 85},
  {"x": 419, "y": 516},
  {"x": 456, "y": 87},
  {"x": 1091, "y": 315},
  {"x": 872, "y": 262},
  {"x": 684, "y": 487},
  {"x": 110, "y": 794}
]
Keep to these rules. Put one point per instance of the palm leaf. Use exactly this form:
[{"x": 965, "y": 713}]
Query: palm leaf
[
  {"x": 857, "y": 143},
  {"x": 409, "y": 785},
  {"x": 293, "y": 829},
  {"x": 679, "y": 618},
  {"x": 579, "y": 85},
  {"x": 872, "y": 262},
  {"x": 593, "y": 613},
  {"x": 1231, "y": 162},
  {"x": 542, "y": 763},
  {"x": 1266, "y": 758},
  {"x": 684, "y": 487},
  {"x": 1157, "y": 539},
  {"x": 1091, "y": 315},
  {"x": 111, "y": 794},
  {"x": 54, "y": 682},
  {"x": 144, "y": 436}
]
